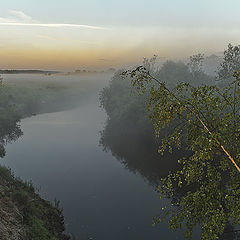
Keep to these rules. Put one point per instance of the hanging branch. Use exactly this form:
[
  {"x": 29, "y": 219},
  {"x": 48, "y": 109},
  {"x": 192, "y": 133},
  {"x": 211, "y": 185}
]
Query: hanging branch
[{"x": 145, "y": 75}]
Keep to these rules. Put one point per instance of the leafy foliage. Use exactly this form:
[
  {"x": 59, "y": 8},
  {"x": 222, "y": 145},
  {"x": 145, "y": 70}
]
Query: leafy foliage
[
  {"x": 128, "y": 126},
  {"x": 230, "y": 63},
  {"x": 206, "y": 122},
  {"x": 196, "y": 63}
]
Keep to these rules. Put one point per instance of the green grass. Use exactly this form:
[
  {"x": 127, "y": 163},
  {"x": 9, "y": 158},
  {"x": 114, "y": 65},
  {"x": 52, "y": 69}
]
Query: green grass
[{"x": 41, "y": 219}]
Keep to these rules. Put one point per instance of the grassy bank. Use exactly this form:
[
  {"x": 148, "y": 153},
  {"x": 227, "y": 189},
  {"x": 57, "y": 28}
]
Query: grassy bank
[
  {"x": 24, "y": 214},
  {"x": 37, "y": 93},
  {"x": 30, "y": 97}
]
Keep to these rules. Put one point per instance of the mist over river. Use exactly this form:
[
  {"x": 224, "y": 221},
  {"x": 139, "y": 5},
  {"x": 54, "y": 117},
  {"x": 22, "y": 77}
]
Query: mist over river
[
  {"x": 120, "y": 120},
  {"x": 60, "y": 153}
]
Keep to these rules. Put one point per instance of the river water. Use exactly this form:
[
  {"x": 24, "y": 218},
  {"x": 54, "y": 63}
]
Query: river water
[{"x": 60, "y": 153}]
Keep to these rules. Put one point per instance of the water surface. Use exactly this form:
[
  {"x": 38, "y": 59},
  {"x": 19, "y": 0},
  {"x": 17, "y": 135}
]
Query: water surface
[{"x": 60, "y": 154}]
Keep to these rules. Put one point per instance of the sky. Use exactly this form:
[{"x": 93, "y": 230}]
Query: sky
[{"x": 98, "y": 34}]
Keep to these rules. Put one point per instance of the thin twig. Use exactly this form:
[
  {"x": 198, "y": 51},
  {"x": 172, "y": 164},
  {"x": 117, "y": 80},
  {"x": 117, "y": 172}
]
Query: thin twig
[{"x": 200, "y": 120}]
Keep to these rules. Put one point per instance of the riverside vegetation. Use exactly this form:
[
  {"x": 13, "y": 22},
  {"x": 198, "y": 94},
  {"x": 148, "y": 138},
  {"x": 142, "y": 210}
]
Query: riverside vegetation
[
  {"x": 194, "y": 114},
  {"x": 203, "y": 183},
  {"x": 24, "y": 214}
]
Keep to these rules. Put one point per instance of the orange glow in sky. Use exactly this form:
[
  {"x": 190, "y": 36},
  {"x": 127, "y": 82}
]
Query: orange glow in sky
[{"x": 92, "y": 42}]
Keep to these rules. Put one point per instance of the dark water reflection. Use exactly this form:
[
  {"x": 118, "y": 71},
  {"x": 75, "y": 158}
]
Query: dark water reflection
[
  {"x": 137, "y": 150},
  {"x": 60, "y": 153}
]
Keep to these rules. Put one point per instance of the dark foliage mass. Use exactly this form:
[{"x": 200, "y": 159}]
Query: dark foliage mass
[
  {"x": 129, "y": 133},
  {"x": 9, "y": 123},
  {"x": 205, "y": 189}
]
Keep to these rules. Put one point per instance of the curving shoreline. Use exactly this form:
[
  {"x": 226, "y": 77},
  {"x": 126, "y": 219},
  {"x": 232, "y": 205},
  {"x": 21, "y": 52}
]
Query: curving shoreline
[{"x": 25, "y": 215}]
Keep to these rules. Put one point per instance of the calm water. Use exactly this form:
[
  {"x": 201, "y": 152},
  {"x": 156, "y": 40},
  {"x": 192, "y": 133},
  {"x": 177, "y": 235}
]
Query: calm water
[{"x": 101, "y": 199}]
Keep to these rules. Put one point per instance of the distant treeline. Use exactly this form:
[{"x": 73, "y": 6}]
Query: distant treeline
[
  {"x": 16, "y": 71},
  {"x": 110, "y": 70}
]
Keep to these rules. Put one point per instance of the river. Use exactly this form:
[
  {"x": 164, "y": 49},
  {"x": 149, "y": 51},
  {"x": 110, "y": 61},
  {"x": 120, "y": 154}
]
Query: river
[{"x": 60, "y": 153}]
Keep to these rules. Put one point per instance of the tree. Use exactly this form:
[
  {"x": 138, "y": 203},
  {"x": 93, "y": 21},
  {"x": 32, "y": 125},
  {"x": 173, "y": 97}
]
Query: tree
[
  {"x": 174, "y": 72},
  {"x": 196, "y": 63},
  {"x": 230, "y": 63},
  {"x": 207, "y": 124}
]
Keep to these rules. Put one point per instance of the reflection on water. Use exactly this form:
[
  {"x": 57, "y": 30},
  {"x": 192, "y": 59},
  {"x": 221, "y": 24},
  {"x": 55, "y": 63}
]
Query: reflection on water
[
  {"x": 137, "y": 150},
  {"x": 60, "y": 153},
  {"x": 101, "y": 198},
  {"x": 203, "y": 193},
  {"x": 198, "y": 204}
]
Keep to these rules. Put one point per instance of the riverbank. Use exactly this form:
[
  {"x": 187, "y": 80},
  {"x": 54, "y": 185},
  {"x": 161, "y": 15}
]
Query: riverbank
[
  {"x": 32, "y": 94},
  {"x": 25, "y": 215},
  {"x": 36, "y": 94}
]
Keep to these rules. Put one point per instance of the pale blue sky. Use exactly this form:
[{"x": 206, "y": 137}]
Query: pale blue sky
[
  {"x": 182, "y": 13},
  {"x": 128, "y": 30}
]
